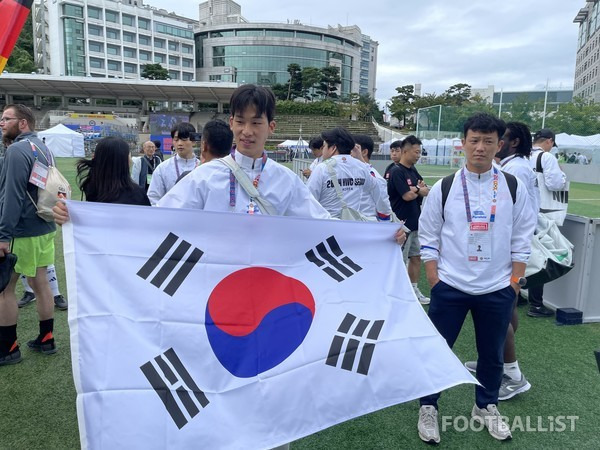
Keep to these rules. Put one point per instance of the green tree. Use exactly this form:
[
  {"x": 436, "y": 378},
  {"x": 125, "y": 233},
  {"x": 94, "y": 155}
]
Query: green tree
[
  {"x": 155, "y": 72},
  {"x": 457, "y": 94},
  {"x": 401, "y": 105},
  {"x": 295, "y": 81},
  {"x": 21, "y": 59},
  {"x": 577, "y": 117},
  {"x": 328, "y": 84},
  {"x": 280, "y": 91},
  {"x": 310, "y": 77}
]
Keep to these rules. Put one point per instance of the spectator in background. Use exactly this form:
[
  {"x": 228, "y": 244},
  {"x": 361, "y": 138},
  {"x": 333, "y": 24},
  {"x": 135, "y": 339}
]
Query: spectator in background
[
  {"x": 316, "y": 146},
  {"x": 158, "y": 151},
  {"x": 406, "y": 190},
  {"x": 217, "y": 139},
  {"x": 395, "y": 151},
  {"x": 144, "y": 166}
]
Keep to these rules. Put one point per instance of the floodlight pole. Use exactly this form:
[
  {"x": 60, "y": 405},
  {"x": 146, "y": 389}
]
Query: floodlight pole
[{"x": 545, "y": 104}]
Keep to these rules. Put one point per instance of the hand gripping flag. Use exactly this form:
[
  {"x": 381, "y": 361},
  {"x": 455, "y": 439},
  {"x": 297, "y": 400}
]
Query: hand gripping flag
[
  {"x": 13, "y": 14},
  {"x": 221, "y": 330}
]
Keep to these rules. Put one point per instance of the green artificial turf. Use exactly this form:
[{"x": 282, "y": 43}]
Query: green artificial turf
[{"x": 37, "y": 396}]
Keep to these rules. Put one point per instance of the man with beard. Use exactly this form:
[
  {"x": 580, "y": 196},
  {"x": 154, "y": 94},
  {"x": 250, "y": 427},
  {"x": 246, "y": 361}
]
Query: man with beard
[{"x": 23, "y": 233}]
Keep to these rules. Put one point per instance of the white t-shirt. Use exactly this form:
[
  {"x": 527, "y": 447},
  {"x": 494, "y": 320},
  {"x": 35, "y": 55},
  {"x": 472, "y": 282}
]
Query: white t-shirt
[
  {"x": 208, "y": 188},
  {"x": 367, "y": 206},
  {"x": 554, "y": 178},
  {"x": 354, "y": 179},
  {"x": 166, "y": 174},
  {"x": 521, "y": 168}
]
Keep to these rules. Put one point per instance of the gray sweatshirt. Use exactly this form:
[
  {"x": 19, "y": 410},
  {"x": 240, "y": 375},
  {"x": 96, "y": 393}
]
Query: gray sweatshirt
[{"x": 18, "y": 216}]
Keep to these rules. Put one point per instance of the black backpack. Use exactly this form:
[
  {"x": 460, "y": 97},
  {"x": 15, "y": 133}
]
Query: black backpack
[{"x": 447, "y": 181}]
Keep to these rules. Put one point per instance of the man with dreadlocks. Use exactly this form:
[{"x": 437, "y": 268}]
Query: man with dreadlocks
[{"x": 514, "y": 159}]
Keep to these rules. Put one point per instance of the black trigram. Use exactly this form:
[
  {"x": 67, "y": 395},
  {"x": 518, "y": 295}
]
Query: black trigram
[
  {"x": 176, "y": 258},
  {"x": 561, "y": 196},
  {"x": 168, "y": 375},
  {"x": 359, "y": 343},
  {"x": 332, "y": 261}
]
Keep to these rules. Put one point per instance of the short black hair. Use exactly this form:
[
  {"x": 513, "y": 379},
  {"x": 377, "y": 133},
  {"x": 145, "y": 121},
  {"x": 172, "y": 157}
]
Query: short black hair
[
  {"x": 260, "y": 97},
  {"x": 521, "y": 131},
  {"x": 157, "y": 143},
  {"x": 316, "y": 143},
  {"x": 396, "y": 144},
  {"x": 183, "y": 130},
  {"x": 485, "y": 123},
  {"x": 365, "y": 142},
  {"x": 410, "y": 141},
  {"x": 218, "y": 137},
  {"x": 339, "y": 137}
]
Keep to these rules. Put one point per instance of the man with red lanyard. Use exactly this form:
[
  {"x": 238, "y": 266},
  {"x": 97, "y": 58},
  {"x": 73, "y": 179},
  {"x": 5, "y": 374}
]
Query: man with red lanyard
[
  {"x": 475, "y": 248},
  {"x": 167, "y": 173}
]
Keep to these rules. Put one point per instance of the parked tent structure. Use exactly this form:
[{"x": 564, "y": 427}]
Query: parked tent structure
[{"x": 63, "y": 142}]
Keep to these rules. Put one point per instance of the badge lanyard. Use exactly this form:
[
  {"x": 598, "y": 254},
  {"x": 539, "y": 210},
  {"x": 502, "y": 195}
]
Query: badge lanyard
[
  {"x": 177, "y": 165},
  {"x": 508, "y": 160},
  {"x": 463, "y": 179},
  {"x": 254, "y": 182}
]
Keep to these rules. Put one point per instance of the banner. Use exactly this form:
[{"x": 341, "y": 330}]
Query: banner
[
  {"x": 223, "y": 330},
  {"x": 13, "y": 14}
]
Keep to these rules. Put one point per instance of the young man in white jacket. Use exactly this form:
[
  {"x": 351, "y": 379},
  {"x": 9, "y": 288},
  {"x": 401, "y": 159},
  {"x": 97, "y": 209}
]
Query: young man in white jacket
[{"x": 475, "y": 249}]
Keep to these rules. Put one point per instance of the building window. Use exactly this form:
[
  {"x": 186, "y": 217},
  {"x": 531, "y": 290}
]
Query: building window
[
  {"x": 128, "y": 20},
  {"x": 128, "y": 37},
  {"x": 130, "y": 68},
  {"x": 111, "y": 16},
  {"x": 160, "y": 58},
  {"x": 280, "y": 33},
  {"x": 114, "y": 65},
  {"x": 94, "y": 13},
  {"x": 173, "y": 46},
  {"x": 129, "y": 52},
  {"x": 143, "y": 24},
  {"x": 333, "y": 40},
  {"x": 174, "y": 75},
  {"x": 303, "y": 35},
  {"x": 94, "y": 30},
  {"x": 72, "y": 10},
  {"x": 144, "y": 40},
  {"x": 173, "y": 60},
  {"x": 218, "y": 34},
  {"x": 113, "y": 50},
  {"x": 159, "y": 43},
  {"x": 97, "y": 47},
  {"x": 173, "y": 31},
  {"x": 96, "y": 63},
  {"x": 187, "y": 62},
  {"x": 187, "y": 49},
  {"x": 145, "y": 56},
  {"x": 111, "y": 33},
  {"x": 214, "y": 78},
  {"x": 187, "y": 76},
  {"x": 251, "y": 33},
  {"x": 74, "y": 52}
]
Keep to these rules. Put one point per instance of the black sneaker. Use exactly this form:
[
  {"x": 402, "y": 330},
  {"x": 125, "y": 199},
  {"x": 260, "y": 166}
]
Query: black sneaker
[
  {"x": 539, "y": 311},
  {"x": 46, "y": 345},
  {"x": 27, "y": 298},
  {"x": 60, "y": 302},
  {"x": 12, "y": 357}
]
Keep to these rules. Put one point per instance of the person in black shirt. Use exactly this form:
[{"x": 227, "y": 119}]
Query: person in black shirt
[
  {"x": 406, "y": 190},
  {"x": 395, "y": 150},
  {"x": 105, "y": 178}
]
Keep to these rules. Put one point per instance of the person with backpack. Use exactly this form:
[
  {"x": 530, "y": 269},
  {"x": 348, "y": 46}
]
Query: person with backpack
[
  {"x": 23, "y": 233},
  {"x": 475, "y": 247}
]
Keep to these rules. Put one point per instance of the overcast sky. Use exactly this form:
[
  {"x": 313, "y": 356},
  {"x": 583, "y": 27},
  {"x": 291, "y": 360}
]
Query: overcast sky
[{"x": 511, "y": 44}]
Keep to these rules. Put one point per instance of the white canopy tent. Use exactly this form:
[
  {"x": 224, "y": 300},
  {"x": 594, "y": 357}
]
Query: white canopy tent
[
  {"x": 295, "y": 145},
  {"x": 63, "y": 142}
]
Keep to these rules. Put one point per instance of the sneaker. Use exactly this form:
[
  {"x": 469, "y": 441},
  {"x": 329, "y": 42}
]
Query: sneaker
[
  {"x": 60, "y": 302},
  {"x": 509, "y": 387},
  {"x": 471, "y": 366},
  {"x": 429, "y": 430},
  {"x": 422, "y": 299},
  {"x": 493, "y": 421},
  {"x": 46, "y": 345},
  {"x": 27, "y": 298},
  {"x": 540, "y": 311},
  {"x": 12, "y": 357}
]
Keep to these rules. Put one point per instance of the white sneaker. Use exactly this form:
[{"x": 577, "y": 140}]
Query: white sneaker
[
  {"x": 429, "y": 430},
  {"x": 422, "y": 299},
  {"x": 493, "y": 421}
]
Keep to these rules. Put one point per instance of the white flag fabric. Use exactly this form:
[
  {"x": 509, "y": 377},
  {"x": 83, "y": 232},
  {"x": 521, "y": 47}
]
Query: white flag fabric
[{"x": 195, "y": 329}]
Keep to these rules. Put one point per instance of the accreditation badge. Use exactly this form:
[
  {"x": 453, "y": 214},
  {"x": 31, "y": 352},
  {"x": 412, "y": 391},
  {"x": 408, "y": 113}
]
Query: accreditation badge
[
  {"x": 148, "y": 178},
  {"x": 479, "y": 242},
  {"x": 39, "y": 174}
]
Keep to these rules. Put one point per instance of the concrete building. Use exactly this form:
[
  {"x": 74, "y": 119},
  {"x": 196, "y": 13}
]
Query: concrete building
[
  {"x": 114, "y": 39},
  {"x": 229, "y": 48},
  {"x": 587, "y": 81}
]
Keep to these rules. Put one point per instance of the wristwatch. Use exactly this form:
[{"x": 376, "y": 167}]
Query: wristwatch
[
  {"x": 521, "y": 281},
  {"x": 418, "y": 189}
]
